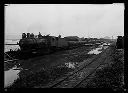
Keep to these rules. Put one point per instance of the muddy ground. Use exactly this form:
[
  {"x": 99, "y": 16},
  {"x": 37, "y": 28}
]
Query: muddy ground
[
  {"x": 43, "y": 69},
  {"x": 50, "y": 67}
]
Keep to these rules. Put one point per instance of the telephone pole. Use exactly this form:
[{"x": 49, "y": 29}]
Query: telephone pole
[{"x": 112, "y": 38}]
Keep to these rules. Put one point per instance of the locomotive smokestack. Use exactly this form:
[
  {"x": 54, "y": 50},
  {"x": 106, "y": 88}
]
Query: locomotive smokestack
[
  {"x": 32, "y": 35},
  {"x": 28, "y": 35},
  {"x": 59, "y": 36},
  {"x": 39, "y": 36},
  {"x": 23, "y": 35}
]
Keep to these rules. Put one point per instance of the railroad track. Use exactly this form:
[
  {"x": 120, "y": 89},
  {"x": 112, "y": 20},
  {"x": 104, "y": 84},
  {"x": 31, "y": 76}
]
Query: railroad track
[
  {"x": 75, "y": 78},
  {"x": 11, "y": 58},
  {"x": 6, "y": 61},
  {"x": 86, "y": 77}
]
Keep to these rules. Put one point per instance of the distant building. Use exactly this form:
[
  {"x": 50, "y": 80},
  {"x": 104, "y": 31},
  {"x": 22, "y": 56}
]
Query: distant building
[
  {"x": 72, "y": 38},
  {"x": 106, "y": 37}
]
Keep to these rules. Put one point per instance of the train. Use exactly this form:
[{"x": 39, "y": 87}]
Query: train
[
  {"x": 120, "y": 42},
  {"x": 30, "y": 42},
  {"x": 32, "y": 45}
]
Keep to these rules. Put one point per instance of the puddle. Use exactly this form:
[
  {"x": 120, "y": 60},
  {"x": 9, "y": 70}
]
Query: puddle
[
  {"x": 98, "y": 43},
  {"x": 88, "y": 44},
  {"x": 95, "y": 51},
  {"x": 99, "y": 49},
  {"x": 10, "y": 76},
  {"x": 105, "y": 47},
  {"x": 71, "y": 64}
]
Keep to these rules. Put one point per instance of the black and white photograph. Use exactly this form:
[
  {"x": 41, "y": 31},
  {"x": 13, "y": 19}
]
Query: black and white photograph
[{"x": 64, "y": 46}]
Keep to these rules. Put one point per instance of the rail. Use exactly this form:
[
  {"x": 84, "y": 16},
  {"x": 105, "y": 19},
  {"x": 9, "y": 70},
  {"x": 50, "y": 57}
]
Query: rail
[
  {"x": 56, "y": 83},
  {"x": 6, "y": 61},
  {"x": 12, "y": 59},
  {"x": 11, "y": 44}
]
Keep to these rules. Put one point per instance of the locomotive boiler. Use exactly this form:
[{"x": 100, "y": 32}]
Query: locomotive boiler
[{"x": 31, "y": 42}]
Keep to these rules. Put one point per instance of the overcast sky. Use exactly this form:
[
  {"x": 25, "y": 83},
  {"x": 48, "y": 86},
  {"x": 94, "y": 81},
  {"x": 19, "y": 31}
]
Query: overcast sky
[{"x": 83, "y": 20}]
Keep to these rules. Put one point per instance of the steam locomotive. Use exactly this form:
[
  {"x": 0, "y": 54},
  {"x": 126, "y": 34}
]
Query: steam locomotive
[
  {"x": 38, "y": 43},
  {"x": 32, "y": 45}
]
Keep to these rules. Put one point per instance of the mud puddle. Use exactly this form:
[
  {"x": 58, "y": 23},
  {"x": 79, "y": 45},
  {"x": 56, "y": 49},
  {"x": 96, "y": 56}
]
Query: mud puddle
[
  {"x": 99, "y": 49},
  {"x": 11, "y": 75}
]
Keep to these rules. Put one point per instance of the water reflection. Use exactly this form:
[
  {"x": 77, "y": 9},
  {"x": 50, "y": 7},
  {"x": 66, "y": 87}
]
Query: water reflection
[
  {"x": 95, "y": 51},
  {"x": 13, "y": 47},
  {"x": 71, "y": 64},
  {"x": 10, "y": 76},
  {"x": 99, "y": 49}
]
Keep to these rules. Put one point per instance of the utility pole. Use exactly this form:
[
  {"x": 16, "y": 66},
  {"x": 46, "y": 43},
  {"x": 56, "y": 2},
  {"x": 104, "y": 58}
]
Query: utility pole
[{"x": 112, "y": 38}]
